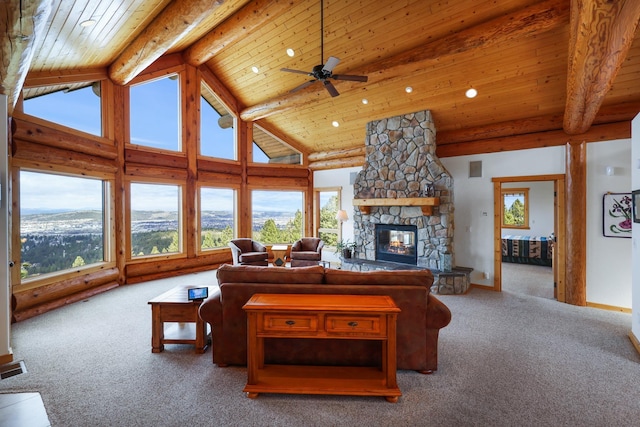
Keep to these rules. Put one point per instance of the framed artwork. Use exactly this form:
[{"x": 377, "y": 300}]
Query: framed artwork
[
  {"x": 617, "y": 211},
  {"x": 635, "y": 196}
]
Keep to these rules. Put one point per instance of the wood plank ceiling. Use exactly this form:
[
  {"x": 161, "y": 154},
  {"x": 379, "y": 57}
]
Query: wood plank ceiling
[{"x": 538, "y": 66}]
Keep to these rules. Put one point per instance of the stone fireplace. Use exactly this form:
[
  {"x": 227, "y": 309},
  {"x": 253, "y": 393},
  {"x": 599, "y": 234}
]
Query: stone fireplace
[
  {"x": 404, "y": 186},
  {"x": 401, "y": 163}
]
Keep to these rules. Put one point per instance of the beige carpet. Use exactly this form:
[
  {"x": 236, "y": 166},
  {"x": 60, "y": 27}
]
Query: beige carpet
[
  {"x": 506, "y": 359},
  {"x": 526, "y": 279}
]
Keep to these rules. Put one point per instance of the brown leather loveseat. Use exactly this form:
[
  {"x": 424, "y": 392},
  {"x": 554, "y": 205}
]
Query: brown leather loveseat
[{"x": 419, "y": 322}]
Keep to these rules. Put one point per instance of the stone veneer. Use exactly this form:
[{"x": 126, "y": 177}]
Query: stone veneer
[{"x": 400, "y": 161}]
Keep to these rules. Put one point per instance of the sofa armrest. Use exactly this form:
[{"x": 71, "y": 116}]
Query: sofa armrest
[
  {"x": 211, "y": 309},
  {"x": 438, "y": 314}
]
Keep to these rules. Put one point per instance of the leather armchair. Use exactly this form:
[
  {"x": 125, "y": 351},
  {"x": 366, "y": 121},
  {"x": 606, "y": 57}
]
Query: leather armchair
[
  {"x": 246, "y": 251},
  {"x": 306, "y": 251}
]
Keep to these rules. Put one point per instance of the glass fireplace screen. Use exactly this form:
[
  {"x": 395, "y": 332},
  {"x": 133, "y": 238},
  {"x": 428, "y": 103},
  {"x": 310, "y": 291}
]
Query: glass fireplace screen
[{"x": 396, "y": 243}]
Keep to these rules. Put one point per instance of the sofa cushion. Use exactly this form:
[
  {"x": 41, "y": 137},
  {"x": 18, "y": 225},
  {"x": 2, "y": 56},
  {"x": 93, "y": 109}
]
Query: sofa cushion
[
  {"x": 379, "y": 277},
  {"x": 254, "y": 256},
  {"x": 259, "y": 274}
]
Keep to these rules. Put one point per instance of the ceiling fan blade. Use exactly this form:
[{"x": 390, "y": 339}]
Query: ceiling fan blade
[
  {"x": 330, "y": 88},
  {"x": 289, "y": 70},
  {"x": 331, "y": 63},
  {"x": 302, "y": 86},
  {"x": 350, "y": 77}
]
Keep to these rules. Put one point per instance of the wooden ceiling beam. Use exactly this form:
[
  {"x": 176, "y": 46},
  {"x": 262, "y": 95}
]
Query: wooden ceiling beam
[
  {"x": 171, "y": 25},
  {"x": 238, "y": 26},
  {"x": 604, "y": 132},
  {"x": 534, "y": 19},
  {"x": 601, "y": 34},
  {"x": 21, "y": 24},
  {"x": 552, "y": 122}
]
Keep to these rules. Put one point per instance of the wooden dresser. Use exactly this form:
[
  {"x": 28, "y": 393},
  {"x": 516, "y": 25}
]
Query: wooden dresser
[{"x": 348, "y": 317}]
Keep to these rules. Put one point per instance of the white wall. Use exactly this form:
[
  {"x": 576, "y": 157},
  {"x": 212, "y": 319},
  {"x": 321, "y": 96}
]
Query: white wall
[
  {"x": 608, "y": 258},
  {"x": 635, "y": 250},
  {"x": 609, "y": 263},
  {"x": 473, "y": 200},
  {"x": 540, "y": 208}
]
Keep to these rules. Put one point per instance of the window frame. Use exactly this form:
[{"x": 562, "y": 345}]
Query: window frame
[
  {"x": 108, "y": 226},
  {"x": 317, "y": 207},
  {"x": 199, "y": 249},
  {"x": 182, "y": 232},
  {"x": 525, "y": 192}
]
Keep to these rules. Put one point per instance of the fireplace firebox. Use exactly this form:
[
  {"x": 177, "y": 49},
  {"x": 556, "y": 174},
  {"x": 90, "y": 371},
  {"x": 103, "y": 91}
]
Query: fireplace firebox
[{"x": 396, "y": 243}]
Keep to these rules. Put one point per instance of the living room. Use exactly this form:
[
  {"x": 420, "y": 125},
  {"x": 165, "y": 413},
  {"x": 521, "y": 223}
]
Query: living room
[{"x": 510, "y": 145}]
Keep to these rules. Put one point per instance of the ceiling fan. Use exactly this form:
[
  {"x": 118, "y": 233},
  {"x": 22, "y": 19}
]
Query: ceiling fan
[{"x": 324, "y": 72}]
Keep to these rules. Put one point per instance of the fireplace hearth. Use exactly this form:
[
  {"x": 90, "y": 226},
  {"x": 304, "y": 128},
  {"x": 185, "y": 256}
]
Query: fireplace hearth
[{"x": 396, "y": 243}]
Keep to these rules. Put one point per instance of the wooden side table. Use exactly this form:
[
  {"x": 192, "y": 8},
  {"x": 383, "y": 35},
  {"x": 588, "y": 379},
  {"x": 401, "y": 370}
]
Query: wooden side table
[
  {"x": 279, "y": 255},
  {"x": 347, "y": 317},
  {"x": 174, "y": 306}
]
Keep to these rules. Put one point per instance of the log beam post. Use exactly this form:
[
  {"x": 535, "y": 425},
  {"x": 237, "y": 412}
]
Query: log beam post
[
  {"x": 601, "y": 35},
  {"x": 576, "y": 219},
  {"x": 170, "y": 26},
  {"x": 21, "y": 24}
]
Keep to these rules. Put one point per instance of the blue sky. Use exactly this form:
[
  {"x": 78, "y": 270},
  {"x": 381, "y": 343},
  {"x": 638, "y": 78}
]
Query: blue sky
[{"x": 155, "y": 122}]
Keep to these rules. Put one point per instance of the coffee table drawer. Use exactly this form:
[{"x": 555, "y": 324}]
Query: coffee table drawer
[
  {"x": 360, "y": 325},
  {"x": 284, "y": 322}
]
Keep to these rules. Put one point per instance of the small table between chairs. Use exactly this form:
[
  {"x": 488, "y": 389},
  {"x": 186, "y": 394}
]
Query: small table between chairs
[{"x": 279, "y": 255}]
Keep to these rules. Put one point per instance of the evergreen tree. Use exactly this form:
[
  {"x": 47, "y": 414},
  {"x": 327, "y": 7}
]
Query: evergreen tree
[
  {"x": 78, "y": 262},
  {"x": 269, "y": 233}
]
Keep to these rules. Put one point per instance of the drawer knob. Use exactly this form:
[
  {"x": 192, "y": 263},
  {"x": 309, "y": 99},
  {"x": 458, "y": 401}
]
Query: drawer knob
[
  {"x": 353, "y": 324},
  {"x": 290, "y": 322}
]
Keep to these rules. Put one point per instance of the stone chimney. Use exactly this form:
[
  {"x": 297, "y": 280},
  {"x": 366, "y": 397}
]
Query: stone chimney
[{"x": 401, "y": 162}]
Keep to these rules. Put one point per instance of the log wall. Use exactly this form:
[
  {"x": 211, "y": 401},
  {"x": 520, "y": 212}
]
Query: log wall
[{"x": 41, "y": 145}]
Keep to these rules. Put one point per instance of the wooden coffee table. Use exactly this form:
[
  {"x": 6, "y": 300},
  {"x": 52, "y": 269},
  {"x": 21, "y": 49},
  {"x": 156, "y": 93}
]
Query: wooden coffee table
[{"x": 174, "y": 306}]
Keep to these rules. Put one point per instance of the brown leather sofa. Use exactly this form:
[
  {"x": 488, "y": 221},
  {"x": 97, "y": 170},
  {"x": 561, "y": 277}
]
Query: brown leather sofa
[{"x": 419, "y": 322}]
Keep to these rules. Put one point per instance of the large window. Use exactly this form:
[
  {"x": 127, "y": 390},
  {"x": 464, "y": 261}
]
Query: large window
[
  {"x": 327, "y": 206},
  {"x": 269, "y": 149},
  {"x": 515, "y": 202},
  {"x": 77, "y": 107},
  {"x": 217, "y": 217},
  {"x": 155, "y": 219},
  {"x": 62, "y": 222},
  {"x": 155, "y": 114},
  {"x": 277, "y": 216},
  {"x": 217, "y": 124}
]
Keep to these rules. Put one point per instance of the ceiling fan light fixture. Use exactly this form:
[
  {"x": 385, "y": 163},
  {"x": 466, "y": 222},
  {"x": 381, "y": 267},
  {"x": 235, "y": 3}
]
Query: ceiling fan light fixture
[
  {"x": 471, "y": 93},
  {"x": 291, "y": 53}
]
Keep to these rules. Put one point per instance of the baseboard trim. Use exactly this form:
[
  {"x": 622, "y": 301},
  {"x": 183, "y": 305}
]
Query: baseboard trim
[
  {"x": 609, "y": 307},
  {"x": 6, "y": 358},
  {"x": 634, "y": 341}
]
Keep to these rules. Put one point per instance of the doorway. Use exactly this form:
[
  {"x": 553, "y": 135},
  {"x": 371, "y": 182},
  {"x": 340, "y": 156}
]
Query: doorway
[{"x": 556, "y": 275}]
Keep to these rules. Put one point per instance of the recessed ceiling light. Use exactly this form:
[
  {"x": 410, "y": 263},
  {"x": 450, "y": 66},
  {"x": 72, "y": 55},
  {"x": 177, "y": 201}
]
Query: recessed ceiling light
[
  {"x": 471, "y": 93},
  {"x": 408, "y": 89},
  {"x": 291, "y": 52},
  {"x": 335, "y": 123},
  {"x": 365, "y": 101},
  {"x": 88, "y": 23},
  {"x": 255, "y": 69}
]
